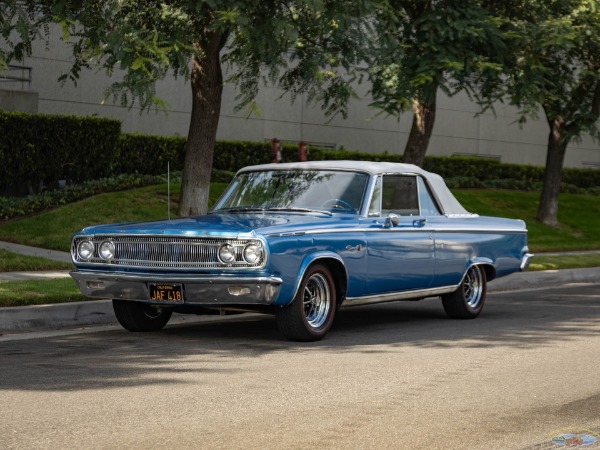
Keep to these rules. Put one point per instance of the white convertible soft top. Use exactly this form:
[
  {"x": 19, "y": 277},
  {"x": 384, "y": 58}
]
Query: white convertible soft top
[{"x": 446, "y": 200}]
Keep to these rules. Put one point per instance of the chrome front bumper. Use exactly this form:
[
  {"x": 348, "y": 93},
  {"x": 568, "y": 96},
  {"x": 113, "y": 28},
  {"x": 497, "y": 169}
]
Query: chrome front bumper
[{"x": 205, "y": 290}]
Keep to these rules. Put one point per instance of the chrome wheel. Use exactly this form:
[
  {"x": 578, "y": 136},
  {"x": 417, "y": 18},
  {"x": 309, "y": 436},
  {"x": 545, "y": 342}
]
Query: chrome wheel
[
  {"x": 310, "y": 315},
  {"x": 473, "y": 286},
  {"x": 317, "y": 300},
  {"x": 468, "y": 300}
]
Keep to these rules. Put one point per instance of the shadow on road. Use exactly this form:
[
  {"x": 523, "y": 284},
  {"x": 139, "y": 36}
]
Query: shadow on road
[{"x": 115, "y": 359}]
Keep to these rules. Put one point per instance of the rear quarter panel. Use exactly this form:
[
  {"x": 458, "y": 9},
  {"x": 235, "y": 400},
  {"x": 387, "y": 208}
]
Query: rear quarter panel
[{"x": 462, "y": 242}]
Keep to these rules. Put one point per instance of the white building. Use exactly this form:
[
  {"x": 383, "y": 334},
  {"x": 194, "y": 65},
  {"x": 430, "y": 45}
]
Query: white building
[{"x": 458, "y": 130}]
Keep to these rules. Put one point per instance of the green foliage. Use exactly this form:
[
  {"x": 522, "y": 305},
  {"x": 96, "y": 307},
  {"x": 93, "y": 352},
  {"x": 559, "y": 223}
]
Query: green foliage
[
  {"x": 421, "y": 46},
  {"x": 20, "y": 24},
  {"x": 553, "y": 62},
  {"x": 38, "y": 149}
]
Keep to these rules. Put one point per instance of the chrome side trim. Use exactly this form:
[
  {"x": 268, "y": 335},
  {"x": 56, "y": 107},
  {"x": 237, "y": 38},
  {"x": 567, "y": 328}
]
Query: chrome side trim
[
  {"x": 397, "y": 296},
  {"x": 408, "y": 229}
]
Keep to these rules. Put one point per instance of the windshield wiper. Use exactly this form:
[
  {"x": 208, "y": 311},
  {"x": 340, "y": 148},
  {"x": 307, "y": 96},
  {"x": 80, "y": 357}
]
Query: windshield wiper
[
  {"x": 300, "y": 210},
  {"x": 240, "y": 209}
]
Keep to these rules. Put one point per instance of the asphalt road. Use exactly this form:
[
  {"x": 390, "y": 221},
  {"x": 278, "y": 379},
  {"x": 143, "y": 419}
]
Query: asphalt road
[{"x": 388, "y": 376}]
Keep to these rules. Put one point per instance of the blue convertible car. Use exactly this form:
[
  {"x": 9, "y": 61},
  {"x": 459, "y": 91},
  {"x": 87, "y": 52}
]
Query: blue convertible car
[{"x": 299, "y": 241}]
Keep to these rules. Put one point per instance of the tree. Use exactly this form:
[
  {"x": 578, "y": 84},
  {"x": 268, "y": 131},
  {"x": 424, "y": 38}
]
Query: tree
[
  {"x": 423, "y": 46},
  {"x": 305, "y": 46},
  {"x": 554, "y": 64}
]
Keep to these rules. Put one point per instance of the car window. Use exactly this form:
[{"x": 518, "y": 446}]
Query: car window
[
  {"x": 375, "y": 206},
  {"x": 399, "y": 195},
  {"x": 428, "y": 205}
]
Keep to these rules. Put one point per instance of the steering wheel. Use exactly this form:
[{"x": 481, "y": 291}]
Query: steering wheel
[{"x": 338, "y": 203}]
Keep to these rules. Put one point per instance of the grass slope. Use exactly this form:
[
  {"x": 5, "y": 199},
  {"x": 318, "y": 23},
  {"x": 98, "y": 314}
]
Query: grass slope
[{"x": 53, "y": 229}]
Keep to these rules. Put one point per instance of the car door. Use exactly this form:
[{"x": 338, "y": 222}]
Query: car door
[{"x": 400, "y": 243}]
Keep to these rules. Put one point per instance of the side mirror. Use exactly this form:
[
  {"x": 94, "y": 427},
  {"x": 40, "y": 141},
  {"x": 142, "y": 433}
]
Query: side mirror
[{"x": 392, "y": 220}]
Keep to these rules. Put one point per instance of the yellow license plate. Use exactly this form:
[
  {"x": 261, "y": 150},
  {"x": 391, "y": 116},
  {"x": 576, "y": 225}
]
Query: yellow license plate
[{"x": 165, "y": 292}]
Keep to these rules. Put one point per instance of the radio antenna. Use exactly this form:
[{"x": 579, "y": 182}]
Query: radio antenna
[{"x": 168, "y": 191}]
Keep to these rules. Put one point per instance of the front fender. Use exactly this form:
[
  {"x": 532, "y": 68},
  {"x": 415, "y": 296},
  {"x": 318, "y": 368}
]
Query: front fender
[{"x": 288, "y": 293}]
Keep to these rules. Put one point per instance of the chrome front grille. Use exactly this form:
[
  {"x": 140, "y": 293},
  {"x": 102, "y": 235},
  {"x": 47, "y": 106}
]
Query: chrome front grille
[{"x": 166, "y": 252}]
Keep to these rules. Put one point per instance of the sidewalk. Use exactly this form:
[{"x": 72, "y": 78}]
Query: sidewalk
[{"x": 100, "y": 311}]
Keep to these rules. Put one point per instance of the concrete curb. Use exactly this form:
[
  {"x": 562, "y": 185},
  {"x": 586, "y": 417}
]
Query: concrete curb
[
  {"x": 37, "y": 275},
  {"x": 545, "y": 278},
  {"x": 57, "y": 315},
  {"x": 101, "y": 312}
]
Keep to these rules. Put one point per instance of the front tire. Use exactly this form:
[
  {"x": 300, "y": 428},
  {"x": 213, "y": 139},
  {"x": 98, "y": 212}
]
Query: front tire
[
  {"x": 136, "y": 316},
  {"x": 310, "y": 315},
  {"x": 468, "y": 300}
]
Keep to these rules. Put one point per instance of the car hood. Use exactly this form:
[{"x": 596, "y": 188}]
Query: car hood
[{"x": 227, "y": 225}]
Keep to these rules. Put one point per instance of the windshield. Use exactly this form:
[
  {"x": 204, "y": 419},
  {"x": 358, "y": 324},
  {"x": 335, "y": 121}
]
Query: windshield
[{"x": 299, "y": 190}]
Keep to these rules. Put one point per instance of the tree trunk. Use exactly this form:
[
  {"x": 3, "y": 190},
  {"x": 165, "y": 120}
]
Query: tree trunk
[
  {"x": 420, "y": 132},
  {"x": 207, "y": 89},
  {"x": 557, "y": 147}
]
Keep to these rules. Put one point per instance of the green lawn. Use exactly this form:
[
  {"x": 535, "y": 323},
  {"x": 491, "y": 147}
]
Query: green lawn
[
  {"x": 39, "y": 292},
  {"x": 12, "y": 262},
  {"x": 542, "y": 262}
]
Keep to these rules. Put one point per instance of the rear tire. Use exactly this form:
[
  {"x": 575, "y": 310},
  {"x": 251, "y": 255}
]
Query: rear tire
[
  {"x": 468, "y": 300},
  {"x": 136, "y": 316},
  {"x": 310, "y": 315}
]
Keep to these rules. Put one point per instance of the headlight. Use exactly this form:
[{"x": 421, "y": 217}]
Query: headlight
[
  {"x": 107, "y": 250},
  {"x": 253, "y": 253},
  {"x": 85, "y": 249},
  {"x": 227, "y": 253}
]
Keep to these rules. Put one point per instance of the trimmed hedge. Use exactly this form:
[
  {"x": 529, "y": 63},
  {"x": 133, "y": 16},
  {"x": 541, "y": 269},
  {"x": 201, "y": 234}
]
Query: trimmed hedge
[
  {"x": 148, "y": 154},
  {"x": 138, "y": 153},
  {"x": 37, "y": 150}
]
